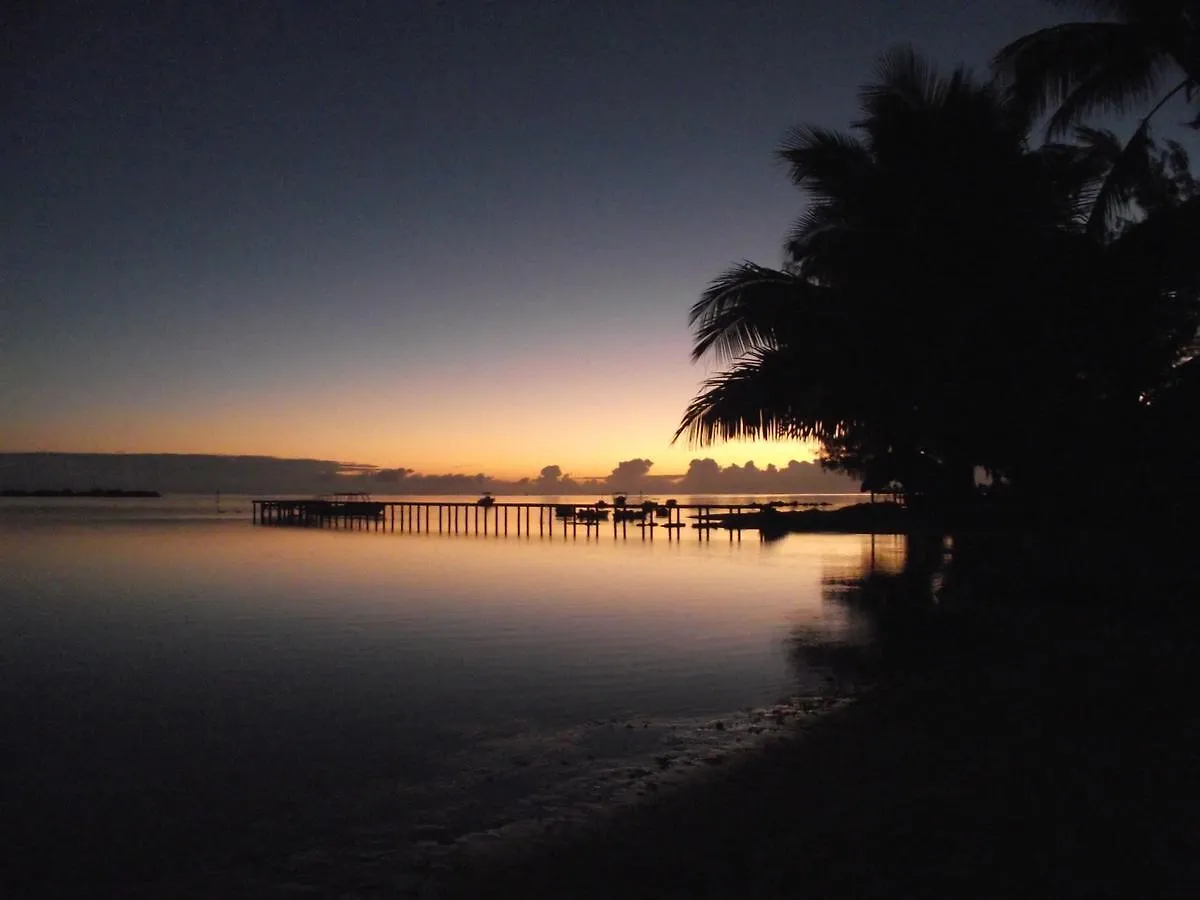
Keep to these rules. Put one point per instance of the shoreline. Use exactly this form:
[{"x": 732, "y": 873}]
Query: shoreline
[
  {"x": 1051, "y": 753},
  {"x": 419, "y": 857}
]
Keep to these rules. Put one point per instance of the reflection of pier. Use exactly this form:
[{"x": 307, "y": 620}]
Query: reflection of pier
[{"x": 502, "y": 518}]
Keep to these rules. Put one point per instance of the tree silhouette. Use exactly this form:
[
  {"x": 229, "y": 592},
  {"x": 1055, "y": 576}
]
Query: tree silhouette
[
  {"x": 1140, "y": 55},
  {"x": 943, "y": 304}
]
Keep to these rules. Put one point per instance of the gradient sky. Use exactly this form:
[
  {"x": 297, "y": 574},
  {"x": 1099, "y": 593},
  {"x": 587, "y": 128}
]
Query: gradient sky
[{"x": 456, "y": 236}]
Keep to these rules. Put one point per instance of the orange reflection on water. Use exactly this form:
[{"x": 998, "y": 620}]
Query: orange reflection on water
[{"x": 603, "y": 588}]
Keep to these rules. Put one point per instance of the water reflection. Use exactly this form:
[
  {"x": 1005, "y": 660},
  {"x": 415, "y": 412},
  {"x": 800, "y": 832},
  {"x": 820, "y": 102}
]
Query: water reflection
[
  {"x": 893, "y": 602},
  {"x": 172, "y": 692}
]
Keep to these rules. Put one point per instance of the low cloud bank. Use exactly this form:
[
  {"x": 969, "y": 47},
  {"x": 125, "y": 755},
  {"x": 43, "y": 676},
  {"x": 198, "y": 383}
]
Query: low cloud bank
[{"x": 200, "y": 473}]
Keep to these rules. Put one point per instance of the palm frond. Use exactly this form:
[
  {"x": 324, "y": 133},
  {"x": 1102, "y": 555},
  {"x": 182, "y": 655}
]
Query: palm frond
[
  {"x": 1080, "y": 67},
  {"x": 1101, "y": 142},
  {"x": 745, "y": 309},
  {"x": 906, "y": 79},
  {"x": 764, "y": 396},
  {"x": 1119, "y": 88},
  {"x": 827, "y": 164},
  {"x": 1077, "y": 172},
  {"x": 1126, "y": 169},
  {"x": 814, "y": 223}
]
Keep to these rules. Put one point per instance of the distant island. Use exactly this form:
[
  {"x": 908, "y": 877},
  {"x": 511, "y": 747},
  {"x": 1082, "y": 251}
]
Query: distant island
[{"x": 94, "y": 492}]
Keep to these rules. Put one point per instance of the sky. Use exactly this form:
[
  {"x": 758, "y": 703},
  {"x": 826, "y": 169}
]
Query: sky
[{"x": 452, "y": 237}]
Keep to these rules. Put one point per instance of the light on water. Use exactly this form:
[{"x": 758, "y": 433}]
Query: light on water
[{"x": 210, "y": 686}]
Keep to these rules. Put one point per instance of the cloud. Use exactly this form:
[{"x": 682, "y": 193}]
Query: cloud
[
  {"x": 550, "y": 475},
  {"x": 629, "y": 474},
  {"x": 199, "y": 473},
  {"x": 705, "y": 476}
]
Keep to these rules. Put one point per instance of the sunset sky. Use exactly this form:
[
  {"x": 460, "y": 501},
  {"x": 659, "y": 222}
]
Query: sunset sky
[{"x": 455, "y": 237}]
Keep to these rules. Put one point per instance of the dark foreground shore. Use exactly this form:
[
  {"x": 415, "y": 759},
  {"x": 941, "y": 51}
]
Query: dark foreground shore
[{"x": 1047, "y": 745}]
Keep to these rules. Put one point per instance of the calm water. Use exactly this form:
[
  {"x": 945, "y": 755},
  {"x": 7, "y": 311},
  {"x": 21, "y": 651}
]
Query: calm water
[{"x": 181, "y": 689}]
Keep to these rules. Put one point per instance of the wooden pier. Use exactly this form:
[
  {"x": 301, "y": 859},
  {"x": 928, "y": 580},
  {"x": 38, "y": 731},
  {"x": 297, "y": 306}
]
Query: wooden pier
[{"x": 504, "y": 518}]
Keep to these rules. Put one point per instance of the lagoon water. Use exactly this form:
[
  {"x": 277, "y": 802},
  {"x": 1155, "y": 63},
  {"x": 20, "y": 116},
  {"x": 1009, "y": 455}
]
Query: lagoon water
[{"x": 181, "y": 690}]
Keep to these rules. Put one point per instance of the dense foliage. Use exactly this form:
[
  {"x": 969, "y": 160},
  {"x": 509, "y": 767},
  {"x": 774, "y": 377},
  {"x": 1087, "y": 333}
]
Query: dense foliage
[{"x": 957, "y": 297}]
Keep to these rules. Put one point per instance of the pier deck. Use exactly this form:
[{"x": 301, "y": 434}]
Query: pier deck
[{"x": 502, "y": 518}]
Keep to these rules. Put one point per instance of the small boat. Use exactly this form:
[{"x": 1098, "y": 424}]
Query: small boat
[{"x": 486, "y": 500}]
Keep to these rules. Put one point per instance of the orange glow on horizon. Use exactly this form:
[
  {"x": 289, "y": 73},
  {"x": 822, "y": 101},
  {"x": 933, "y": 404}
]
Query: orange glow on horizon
[
  {"x": 586, "y": 425},
  {"x": 509, "y": 463}
]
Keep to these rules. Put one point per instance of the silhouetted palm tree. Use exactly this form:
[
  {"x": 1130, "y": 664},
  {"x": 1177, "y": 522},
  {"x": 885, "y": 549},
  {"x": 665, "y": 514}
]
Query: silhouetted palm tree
[
  {"x": 1135, "y": 60},
  {"x": 900, "y": 299},
  {"x": 942, "y": 305},
  {"x": 1142, "y": 53}
]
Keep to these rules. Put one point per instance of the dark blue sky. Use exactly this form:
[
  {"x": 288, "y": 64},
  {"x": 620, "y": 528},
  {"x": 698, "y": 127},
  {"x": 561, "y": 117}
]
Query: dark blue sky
[{"x": 370, "y": 230}]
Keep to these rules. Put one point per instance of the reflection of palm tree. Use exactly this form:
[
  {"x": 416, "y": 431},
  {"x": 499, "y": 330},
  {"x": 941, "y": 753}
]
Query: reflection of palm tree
[{"x": 895, "y": 616}]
